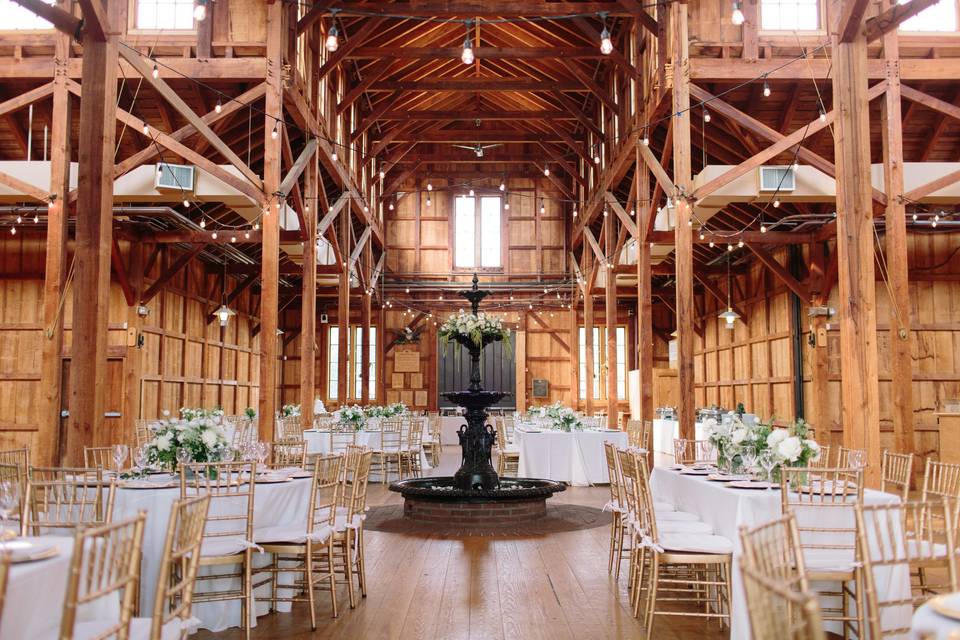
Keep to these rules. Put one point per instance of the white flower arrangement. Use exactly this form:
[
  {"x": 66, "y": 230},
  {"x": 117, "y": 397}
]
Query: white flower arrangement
[
  {"x": 561, "y": 418},
  {"x": 478, "y": 330},
  {"x": 385, "y": 411},
  {"x": 194, "y": 413},
  {"x": 202, "y": 436},
  {"x": 350, "y": 417},
  {"x": 290, "y": 410},
  {"x": 791, "y": 446}
]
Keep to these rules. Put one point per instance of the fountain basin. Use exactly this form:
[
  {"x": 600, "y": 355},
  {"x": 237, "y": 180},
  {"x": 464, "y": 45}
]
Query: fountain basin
[{"x": 439, "y": 500}]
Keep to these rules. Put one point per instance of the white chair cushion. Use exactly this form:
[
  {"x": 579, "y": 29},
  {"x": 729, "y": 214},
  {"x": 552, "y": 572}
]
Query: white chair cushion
[
  {"x": 695, "y": 543},
  {"x": 293, "y": 534},
  {"x": 829, "y": 560},
  {"x": 683, "y": 516},
  {"x": 139, "y": 629},
  {"x": 225, "y": 546},
  {"x": 340, "y": 522},
  {"x": 681, "y": 526},
  {"x": 663, "y": 506},
  {"x": 923, "y": 550}
]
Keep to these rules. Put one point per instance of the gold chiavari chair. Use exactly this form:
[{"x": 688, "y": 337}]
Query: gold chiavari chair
[
  {"x": 228, "y": 538},
  {"x": 508, "y": 456},
  {"x": 432, "y": 446},
  {"x": 941, "y": 480},
  {"x": 778, "y": 612},
  {"x": 509, "y": 426},
  {"x": 907, "y": 535},
  {"x": 823, "y": 460},
  {"x": 844, "y": 456},
  {"x": 693, "y": 451},
  {"x": 823, "y": 501},
  {"x": 638, "y": 432},
  {"x": 341, "y": 439},
  {"x": 67, "y": 498},
  {"x": 773, "y": 551},
  {"x": 895, "y": 469},
  {"x": 348, "y": 523},
  {"x": 18, "y": 457},
  {"x": 412, "y": 447},
  {"x": 291, "y": 428},
  {"x": 4, "y": 578},
  {"x": 106, "y": 561},
  {"x": 618, "y": 507},
  {"x": 98, "y": 457},
  {"x": 173, "y": 600},
  {"x": 389, "y": 453},
  {"x": 674, "y": 561},
  {"x": 12, "y": 479},
  {"x": 288, "y": 453},
  {"x": 142, "y": 432},
  {"x": 244, "y": 431},
  {"x": 304, "y": 548}
]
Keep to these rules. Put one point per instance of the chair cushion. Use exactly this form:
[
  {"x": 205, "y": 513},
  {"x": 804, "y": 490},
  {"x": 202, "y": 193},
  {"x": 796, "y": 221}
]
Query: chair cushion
[
  {"x": 139, "y": 629},
  {"x": 293, "y": 534},
  {"x": 340, "y": 522},
  {"x": 829, "y": 560},
  {"x": 920, "y": 550},
  {"x": 695, "y": 543},
  {"x": 225, "y": 546},
  {"x": 663, "y": 506},
  {"x": 683, "y": 516},
  {"x": 681, "y": 526}
]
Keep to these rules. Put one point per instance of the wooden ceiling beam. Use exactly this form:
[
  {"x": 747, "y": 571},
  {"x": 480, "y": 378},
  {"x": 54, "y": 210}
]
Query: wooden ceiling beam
[
  {"x": 338, "y": 56},
  {"x": 469, "y": 136},
  {"x": 893, "y": 17},
  {"x": 711, "y": 288},
  {"x": 316, "y": 12},
  {"x": 25, "y": 98},
  {"x": 481, "y": 53},
  {"x": 477, "y": 84},
  {"x": 62, "y": 21},
  {"x": 169, "y": 273},
  {"x": 578, "y": 113},
  {"x": 485, "y": 116},
  {"x": 486, "y": 9},
  {"x": 601, "y": 93},
  {"x": 780, "y": 272},
  {"x": 369, "y": 77},
  {"x": 377, "y": 114}
]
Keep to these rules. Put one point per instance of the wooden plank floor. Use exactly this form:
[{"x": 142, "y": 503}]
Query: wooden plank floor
[{"x": 553, "y": 587}]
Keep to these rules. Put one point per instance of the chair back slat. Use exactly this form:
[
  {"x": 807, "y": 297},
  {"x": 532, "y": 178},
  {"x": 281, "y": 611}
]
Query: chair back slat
[
  {"x": 67, "y": 498},
  {"x": 230, "y": 486}
]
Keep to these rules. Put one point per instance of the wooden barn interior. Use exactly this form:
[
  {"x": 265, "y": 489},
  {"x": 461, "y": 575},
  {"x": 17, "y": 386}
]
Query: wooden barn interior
[{"x": 675, "y": 205}]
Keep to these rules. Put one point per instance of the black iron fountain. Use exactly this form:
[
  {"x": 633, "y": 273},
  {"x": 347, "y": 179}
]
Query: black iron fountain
[{"x": 475, "y": 494}]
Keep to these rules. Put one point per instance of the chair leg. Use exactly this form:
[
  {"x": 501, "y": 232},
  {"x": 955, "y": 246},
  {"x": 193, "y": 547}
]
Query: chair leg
[
  {"x": 652, "y": 594},
  {"x": 308, "y": 578},
  {"x": 361, "y": 568},
  {"x": 333, "y": 577},
  {"x": 348, "y": 568},
  {"x": 274, "y": 576},
  {"x": 248, "y": 611}
]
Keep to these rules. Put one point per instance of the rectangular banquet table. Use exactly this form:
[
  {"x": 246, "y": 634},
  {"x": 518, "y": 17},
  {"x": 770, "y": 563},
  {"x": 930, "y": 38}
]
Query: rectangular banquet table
[
  {"x": 575, "y": 457},
  {"x": 278, "y": 504},
  {"x": 727, "y": 509}
]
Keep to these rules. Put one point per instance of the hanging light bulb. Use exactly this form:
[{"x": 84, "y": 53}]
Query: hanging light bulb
[
  {"x": 795, "y": 166},
  {"x": 186, "y": 203},
  {"x": 156, "y": 72},
  {"x": 333, "y": 39},
  {"x": 646, "y": 138},
  {"x": 246, "y": 235},
  {"x": 333, "y": 155},
  {"x": 763, "y": 228},
  {"x": 467, "y": 56},
  {"x": 823, "y": 116},
  {"x": 543, "y": 209},
  {"x": 214, "y": 235},
  {"x": 633, "y": 212},
  {"x": 596, "y": 156},
  {"x": 702, "y": 236},
  {"x": 13, "y": 231},
  {"x": 203, "y": 223},
  {"x": 19, "y": 219},
  {"x": 428, "y": 201},
  {"x": 706, "y": 116},
  {"x": 740, "y": 244},
  {"x": 766, "y": 89},
  {"x": 52, "y": 203},
  {"x": 219, "y": 106},
  {"x": 471, "y": 193},
  {"x": 933, "y": 223},
  {"x": 737, "y": 17},
  {"x": 711, "y": 244},
  {"x": 383, "y": 174},
  {"x": 36, "y": 218},
  {"x": 506, "y": 204},
  {"x": 429, "y": 186},
  {"x": 390, "y": 206},
  {"x": 233, "y": 238},
  {"x": 605, "y": 211},
  {"x": 915, "y": 217},
  {"x": 200, "y": 11},
  {"x": 276, "y": 131},
  {"x": 503, "y": 185},
  {"x": 776, "y": 203},
  {"x": 606, "y": 44},
  {"x": 546, "y": 170},
  {"x": 729, "y": 247}
]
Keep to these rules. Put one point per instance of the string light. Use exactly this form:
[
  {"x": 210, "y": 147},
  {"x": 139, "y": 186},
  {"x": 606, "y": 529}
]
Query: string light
[
  {"x": 606, "y": 44},
  {"x": 214, "y": 235},
  {"x": 471, "y": 192},
  {"x": 390, "y": 206},
  {"x": 702, "y": 236},
  {"x": 763, "y": 228},
  {"x": 219, "y": 106},
  {"x": 740, "y": 244},
  {"x": 706, "y": 116},
  {"x": 506, "y": 203},
  {"x": 574, "y": 212},
  {"x": 823, "y": 116},
  {"x": 19, "y": 219},
  {"x": 333, "y": 38},
  {"x": 429, "y": 186},
  {"x": 52, "y": 202},
  {"x": 543, "y": 209},
  {"x": 605, "y": 211},
  {"x": 914, "y": 217},
  {"x": 186, "y": 203},
  {"x": 503, "y": 185},
  {"x": 766, "y": 89},
  {"x": 546, "y": 170},
  {"x": 146, "y": 129},
  {"x": 776, "y": 203},
  {"x": 276, "y": 131},
  {"x": 200, "y": 11},
  {"x": 156, "y": 72},
  {"x": 467, "y": 56},
  {"x": 633, "y": 212},
  {"x": 256, "y": 226},
  {"x": 737, "y": 17},
  {"x": 646, "y": 138},
  {"x": 428, "y": 201},
  {"x": 203, "y": 223},
  {"x": 596, "y": 156},
  {"x": 13, "y": 231}
]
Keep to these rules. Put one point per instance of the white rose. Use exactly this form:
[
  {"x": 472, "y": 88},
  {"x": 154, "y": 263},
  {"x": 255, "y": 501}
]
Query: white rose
[
  {"x": 776, "y": 437},
  {"x": 163, "y": 442},
  {"x": 209, "y": 438},
  {"x": 815, "y": 448},
  {"x": 790, "y": 449},
  {"x": 739, "y": 435}
]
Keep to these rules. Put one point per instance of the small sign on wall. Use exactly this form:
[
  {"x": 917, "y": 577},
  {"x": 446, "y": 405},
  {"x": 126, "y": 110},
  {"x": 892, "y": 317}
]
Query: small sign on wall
[
  {"x": 420, "y": 398},
  {"x": 396, "y": 381},
  {"x": 406, "y": 362},
  {"x": 541, "y": 388},
  {"x": 416, "y": 380}
]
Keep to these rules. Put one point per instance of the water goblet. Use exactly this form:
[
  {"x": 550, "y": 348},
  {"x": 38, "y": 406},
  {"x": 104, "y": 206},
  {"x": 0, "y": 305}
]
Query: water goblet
[
  {"x": 857, "y": 458},
  {"x": 9, "y": 500},
  {"x": 768, "y": 460},
  {"x": 749, "y": 459},
  {"x": 120, "y": 453},
  {"x": 140, "y": 457},
  {"x": 183, "y": 456}
]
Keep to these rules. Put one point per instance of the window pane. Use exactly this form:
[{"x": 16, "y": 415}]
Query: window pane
[
  {"x": 357, "y": 360},
  {"x": 583, "y": 363},
  {"x": 490, "y": 232},
  {"x": 165, "y": 14},
  {"x": 596, "y": 362},
  {"x": 940, "y": 17},
  {"x": 16, "y": 17},
  {"x": 800, "y": 15},
  {"x": 372, "y": 391},
  {"x": 464, "y": 233},
  {"x": 621, "y": 362},
  {"x": 333, "y": 349}
]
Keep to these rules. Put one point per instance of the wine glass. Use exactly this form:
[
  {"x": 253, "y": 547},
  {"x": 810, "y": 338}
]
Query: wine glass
[
  {"x": 768, "y": 460},
  {"x": 9, "y": 500},
  {"x": 120, "y": 453},
  {"x": 679, "y": 446},
  {"x": 749, "y": 459},
  {"x": 140, "y": 457},
  {"x": 183, "y": 456},
  {"x": 263, "y": 451},
  {"x": 857, "y": 458}
]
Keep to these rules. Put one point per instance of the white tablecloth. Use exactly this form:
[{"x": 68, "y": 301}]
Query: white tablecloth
[
  {"x": 35, "y": 590},
  {"x": 449, "y": 428},
  {"x": 281, "y": 504},
  {"x": 318, "y": 441},
  {"x": 727, "y": 509},
  {"x": 664, "y": 432},
  {"x": 576, "y": 457},
  {"x": 930, "y": 625}
]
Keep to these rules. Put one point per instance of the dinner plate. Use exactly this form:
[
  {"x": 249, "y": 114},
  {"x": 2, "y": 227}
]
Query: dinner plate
[
  {"x": 26, "y": 550},
  {"x": 272, "y": 479},
  {"x": 747, "y": 484},
  {"x": 717, "y": 477},
  {"x": 146, "y": 484},
  {"x": 947, "y": 605},
  {"x": 301, "y": 474},
  {"x": 695, "y": 472}
]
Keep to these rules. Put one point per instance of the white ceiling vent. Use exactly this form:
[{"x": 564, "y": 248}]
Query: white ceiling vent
[
  {"x": 778, "y": 179},
  {"x": 174, "y": 176}
]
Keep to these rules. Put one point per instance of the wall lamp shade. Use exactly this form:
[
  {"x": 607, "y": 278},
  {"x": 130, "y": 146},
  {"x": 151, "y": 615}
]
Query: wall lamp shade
[
  {"x": 730, "y": 316},
  {"x": 224, "y": 313}
]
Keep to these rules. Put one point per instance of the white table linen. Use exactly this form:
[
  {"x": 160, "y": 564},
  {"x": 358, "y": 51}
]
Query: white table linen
[
  {"x": 575, "y": 457},
  {"x": 727, "y": 509},
  {"x": 280, "y": 504},
  {"x": 33, "y": 606},
  {"x": 929, "y": 625},
  {"x": 318, "y": 441},
  {"x": 449, "y": 429}
]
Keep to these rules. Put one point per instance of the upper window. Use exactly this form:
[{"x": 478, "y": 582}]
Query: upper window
[
  {"x": 599, "y": 362},
  {"x": 476, "y": 232},
  {"x": 789, "y": 15},
  {"x": 165, "y": 14},
  {"x": 17, "y": 18},
  {"x": 940, "y": 17}
]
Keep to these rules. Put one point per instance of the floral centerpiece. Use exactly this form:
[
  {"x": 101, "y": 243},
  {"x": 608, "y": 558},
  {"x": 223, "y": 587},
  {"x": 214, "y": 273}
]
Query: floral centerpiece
[
  {"x": 202, "y": 437},
  {"x": 385, "y": 411},
  {"x": 739, "y": 444},
  {"x": 792, "y": 447},
  {"x": 290, "y": 410},
  {"x": 193, "y": 413},
  {"x": 730, "y": 439},
  {"x": 473, "y": 330},
  {"x": 350, "y": 417},
  {"x": 561, "y": 418}
]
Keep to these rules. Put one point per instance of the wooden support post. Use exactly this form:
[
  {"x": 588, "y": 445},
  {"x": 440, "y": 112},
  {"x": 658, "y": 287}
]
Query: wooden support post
[
  {"x": 366, "y": 304},
  {"x": 521, "y": 352},
  {"x": 94, "y": 233},
  {"x": 820, "y": 357},
  {"x": 895, "y": 222},
  {"x": 610, "y": 312},
  {"x": 343, "y": 313},
  {"x": 308, "y": 301},
  {"x": 857, "y": 308},
  {"x": 683, "y": 232},
  {"x": 133, "y": 356},
  {"x": 574, "y": 345},
  {"x": 55, "y": 271},
  {"x": 588, "y": 332},
  {"x": 270, "y": 225},
  {"x": 644, "y": 299}
]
